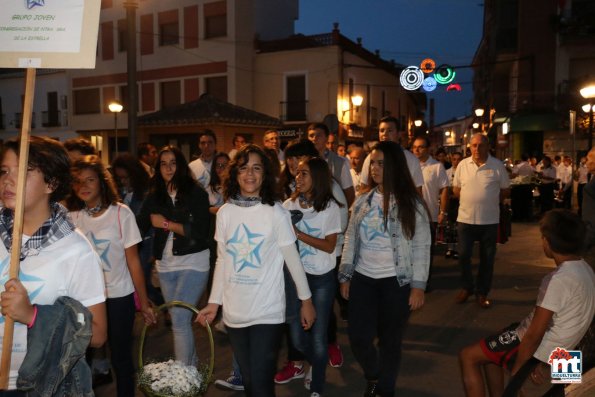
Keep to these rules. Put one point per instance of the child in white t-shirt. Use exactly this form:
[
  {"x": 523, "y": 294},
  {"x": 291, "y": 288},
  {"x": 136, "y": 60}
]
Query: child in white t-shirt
[
  {"x": 317, "y": 236},
  {"x": 563, "y": 312},
  {"x": 111, "y": 228},
  {"x": 254, "y": 237},
  {"x": 56, "y": 260}
]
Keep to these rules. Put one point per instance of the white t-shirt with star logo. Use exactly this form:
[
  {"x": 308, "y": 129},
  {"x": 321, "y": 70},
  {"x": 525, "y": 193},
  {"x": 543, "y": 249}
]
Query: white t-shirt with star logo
[
  {"x": 319, "y": 225},
  {"x": 376, "y": 258},
  {"x": 110, "y": 234},
  {"x": 248, "y": 278},
  {"x": 68, "y": 267}
]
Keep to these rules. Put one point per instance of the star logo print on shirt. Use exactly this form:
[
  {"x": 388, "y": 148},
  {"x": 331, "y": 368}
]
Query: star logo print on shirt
[
  {"x": 306, "y": 249},
  {"x": 34, "y": 3},
  {"x": 244, "y": 248},
  {"x": 23, "y": 277},
  {"x": 374, "y": 225},
  {"x": 102, "y": 249}
]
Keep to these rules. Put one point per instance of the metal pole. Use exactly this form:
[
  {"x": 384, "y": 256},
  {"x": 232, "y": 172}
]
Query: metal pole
[
  {"x": 131, "y": 6},
  {"x": 590, "y": 127},
  {"x": 116, "y": 131}
]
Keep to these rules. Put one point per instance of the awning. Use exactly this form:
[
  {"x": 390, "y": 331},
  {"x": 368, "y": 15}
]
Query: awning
[{"x": 535, "y": 122}]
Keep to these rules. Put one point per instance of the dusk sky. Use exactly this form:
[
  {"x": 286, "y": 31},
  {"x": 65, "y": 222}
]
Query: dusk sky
[{"x": 408, "y": 31}]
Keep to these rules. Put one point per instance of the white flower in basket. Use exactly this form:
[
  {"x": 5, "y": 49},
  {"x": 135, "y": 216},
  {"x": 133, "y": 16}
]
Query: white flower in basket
[{"x": 173, "y": 378}]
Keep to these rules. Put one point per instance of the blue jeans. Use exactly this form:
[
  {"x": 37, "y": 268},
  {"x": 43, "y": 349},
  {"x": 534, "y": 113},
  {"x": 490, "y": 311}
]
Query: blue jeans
[
  {"x": 186, "y": 286},
  {"x": 256, "y": 348},
  {"x": 486, "y": 235},
  {"x": 314, "y": 343}
]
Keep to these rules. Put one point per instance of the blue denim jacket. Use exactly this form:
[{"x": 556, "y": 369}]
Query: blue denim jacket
[
  {"x": 55, "y": 362},
  {"x": 412, "y": 257}
]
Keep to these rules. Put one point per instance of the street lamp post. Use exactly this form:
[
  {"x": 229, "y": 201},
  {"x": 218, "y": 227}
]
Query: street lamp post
[
  {"x": 588, "y": 108},
  {"x": 479, "y": 114},
  {"x": 588, "y": 92},
  {"x": 115, "y": 108}
]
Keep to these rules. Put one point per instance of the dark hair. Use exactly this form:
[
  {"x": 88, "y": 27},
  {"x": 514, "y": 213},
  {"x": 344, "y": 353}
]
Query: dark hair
[
  {"x": 564, "y": 231},
  {"x": 268, "y": 190},
  {"x": 137, "y": 175},
  {"x": 322, "y": 188},
  {"x": 319, "y": 126},
  {"x": 182, "y": 181},
  {"x": 295, "y": 148},
  {"x": 215, "y": 181},
  {"x": 235, "y": 138},
  {"x": 80, "y": 144},
  {"x": 108, "y": 193},
  {"x": 425, "y": 139},
  {"x": 524, "y": 157},
  {"x": 397, "y": 182},
  {"x": 143, "y": 148},
  {"x": 390, "y": 119},
  {"x": 49, "y": 157},
  {"x": 208, "y": 133},
  {"x": 548, "y": 159},
  {"x": 440, "y": 150}
]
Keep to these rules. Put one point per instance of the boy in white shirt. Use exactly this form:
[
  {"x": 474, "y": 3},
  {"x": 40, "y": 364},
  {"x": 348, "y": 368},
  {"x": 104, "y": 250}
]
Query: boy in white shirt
[{"x": 564, "y": 311}]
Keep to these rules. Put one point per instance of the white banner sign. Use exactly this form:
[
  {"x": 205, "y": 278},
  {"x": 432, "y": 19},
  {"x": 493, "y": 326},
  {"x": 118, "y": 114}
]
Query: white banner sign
[
  {"x": 48, "y": 33},
  {"x": 41, "y": 26}
]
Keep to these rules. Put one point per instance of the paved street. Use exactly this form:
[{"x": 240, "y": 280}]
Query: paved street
[{"x": 434, "y": 336}]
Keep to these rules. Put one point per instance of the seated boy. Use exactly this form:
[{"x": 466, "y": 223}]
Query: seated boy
[{"x": 563, "y": 312}]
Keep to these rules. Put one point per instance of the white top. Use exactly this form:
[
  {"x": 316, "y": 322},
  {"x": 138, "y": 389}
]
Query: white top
[
  {"x": 319, "y": 225},
  {"x": 356, "y": 178},
  {"x": 569, "y": 292},
  {"x": 198, "y": 261},
  {"x": 565, "y": 174},
  {"x": 412, "y": 164},
  {"x": 202, "y": 171},
  {"x": 110, "y": 234},
  {"x": 68, "y": 267},
  {"x": 376, "y": 259},
  {"x": 345, "y": 180},
  {"x": 522, "y": 169},
  {"x": 480, "y": 190},
  {"x": 435, "y": 179},
  {"x": 232, "y": 153},
  {"x": 550, "y": 172},
  {"x": 248, "y": 278},
  {"x": 215, "y": 196}
]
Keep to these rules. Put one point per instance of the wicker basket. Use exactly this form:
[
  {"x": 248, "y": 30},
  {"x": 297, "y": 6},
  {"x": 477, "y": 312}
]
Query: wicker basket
[{"x": 206, "y": 370}]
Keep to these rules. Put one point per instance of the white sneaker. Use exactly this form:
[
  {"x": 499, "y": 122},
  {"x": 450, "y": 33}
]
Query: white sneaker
[
  {"x": 308, "y": 380},
  {"x": 315, "y": 395}
]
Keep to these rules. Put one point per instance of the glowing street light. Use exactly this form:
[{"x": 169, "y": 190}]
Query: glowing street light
[
  {"x": 115, "y": 108},
  {"x": 418, "y": 123},
  {"x": 588, "y": 92},
  {"x": 479, "y": 112}
]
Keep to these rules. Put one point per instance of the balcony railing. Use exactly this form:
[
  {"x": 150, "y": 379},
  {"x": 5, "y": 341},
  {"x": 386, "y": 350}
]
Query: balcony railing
[
  {"x": 293, "y": 111},
  {"x": 18, "y": 119},
  {"x": 51, "y": 118}
]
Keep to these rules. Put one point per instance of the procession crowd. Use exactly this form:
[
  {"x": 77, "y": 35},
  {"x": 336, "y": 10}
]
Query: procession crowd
[{"x": 274, "y": 238}]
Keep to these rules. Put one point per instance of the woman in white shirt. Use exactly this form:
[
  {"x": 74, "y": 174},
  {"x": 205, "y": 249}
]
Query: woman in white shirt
[
  {"x": 111, "y": 228},
  {"x": 317, "y": 235},
  {"x": 384, "y": 266},
  {"x": 254, "y": 237}
]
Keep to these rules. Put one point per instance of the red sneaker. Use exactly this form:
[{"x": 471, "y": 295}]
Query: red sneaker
[
  {"x": 289, "y": 372},
  {"x": 335, "y": 356}
]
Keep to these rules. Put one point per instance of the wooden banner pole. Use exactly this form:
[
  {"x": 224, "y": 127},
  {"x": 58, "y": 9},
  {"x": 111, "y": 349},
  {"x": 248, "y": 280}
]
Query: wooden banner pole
[{"x": 17, "y": 232}]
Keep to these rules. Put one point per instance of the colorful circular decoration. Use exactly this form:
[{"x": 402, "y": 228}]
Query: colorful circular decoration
[
  {"x": 453, "y": 87},
  {"x": 429, "y": 84},
  {"x": 427, "y": 65},
  {"x": 411, "y": 78},
  {"x": 444, "y": 74}
]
